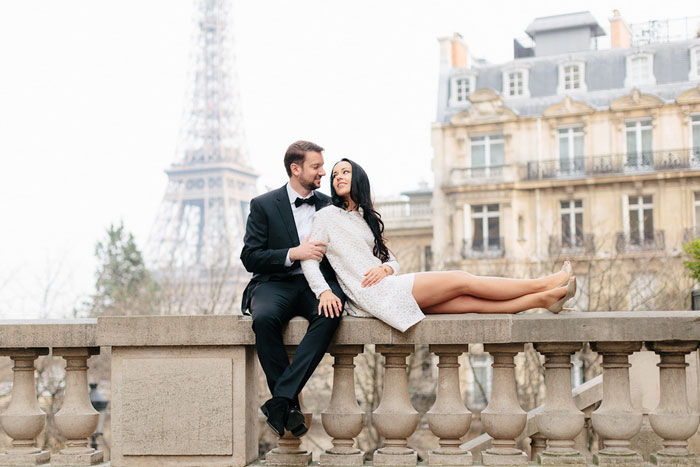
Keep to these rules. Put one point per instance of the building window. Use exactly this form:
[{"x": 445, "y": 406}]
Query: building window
[
  {"x": 486, "y": 231},
  {"x": 572, "y": 224},
  {"x": 639, "y": 145},
  {"x": 488, "y": 155},
  {"x": 694, "y": 74},
  {"x": 641, "y": 220},
  {"x": 515, "y": 83},
  {"x": 640, "y": 70},
  {"x": 696, "y": 207},
  {"x": 572, "y": 77},
  {"x": 461, "y": 88},
  {"x": 570, "y": 150}
]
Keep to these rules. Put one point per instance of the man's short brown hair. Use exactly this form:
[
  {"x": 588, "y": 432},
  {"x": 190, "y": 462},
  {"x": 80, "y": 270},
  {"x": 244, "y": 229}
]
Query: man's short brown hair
[{"x": 296, "y": 152}]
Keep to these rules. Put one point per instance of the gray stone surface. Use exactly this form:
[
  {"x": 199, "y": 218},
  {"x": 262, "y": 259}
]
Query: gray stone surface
[
  {"x": 449, "y": 460},
  {"x": 165, "y": 398},
  {"x": 443, "y": 329},
  {"x": 19, "y": 459},
  {"x": 73, "y": 460},
  {"x": 180, "y": 411},
  {"x": 329, "y": 460},
  {"x": 48, "y": 333}
]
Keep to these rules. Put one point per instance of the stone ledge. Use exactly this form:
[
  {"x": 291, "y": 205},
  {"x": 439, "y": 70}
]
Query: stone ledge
[
  {"x": 443, "y": 329},
  {"x": 48, "y": 333}
]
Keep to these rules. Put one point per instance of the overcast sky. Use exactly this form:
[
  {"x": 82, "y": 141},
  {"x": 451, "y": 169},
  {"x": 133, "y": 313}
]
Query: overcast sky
[{"x": 91, "y": 98}]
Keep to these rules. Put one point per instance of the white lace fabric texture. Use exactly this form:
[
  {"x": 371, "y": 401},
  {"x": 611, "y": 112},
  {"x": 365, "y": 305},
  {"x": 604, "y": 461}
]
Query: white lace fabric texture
[{"x": 350, "y": 242}]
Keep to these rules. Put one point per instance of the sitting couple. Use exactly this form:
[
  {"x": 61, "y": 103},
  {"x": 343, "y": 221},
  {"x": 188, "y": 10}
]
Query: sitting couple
[{"x": 311, "y": 262}]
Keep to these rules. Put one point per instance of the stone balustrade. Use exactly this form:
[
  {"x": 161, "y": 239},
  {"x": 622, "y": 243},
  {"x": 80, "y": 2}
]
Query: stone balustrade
[{"x": 184, "y": 390}]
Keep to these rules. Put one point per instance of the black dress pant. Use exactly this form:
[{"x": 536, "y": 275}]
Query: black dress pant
[{"x": 273, "y": 304}]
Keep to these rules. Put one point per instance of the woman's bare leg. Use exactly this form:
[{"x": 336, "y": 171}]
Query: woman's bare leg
[
  {"x": 470, "y": 304},
  {"x": 431, "y": 288}
]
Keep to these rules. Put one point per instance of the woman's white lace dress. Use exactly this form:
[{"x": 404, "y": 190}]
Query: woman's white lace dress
[{"x": 349, "y": 251}]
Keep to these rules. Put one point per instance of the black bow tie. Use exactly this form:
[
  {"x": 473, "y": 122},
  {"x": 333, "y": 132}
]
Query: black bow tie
[{"x": 311, "y": 200}]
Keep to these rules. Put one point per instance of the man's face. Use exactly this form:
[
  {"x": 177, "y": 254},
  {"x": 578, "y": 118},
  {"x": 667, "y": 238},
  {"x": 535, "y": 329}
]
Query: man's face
[{"x": 309, "y": 173}]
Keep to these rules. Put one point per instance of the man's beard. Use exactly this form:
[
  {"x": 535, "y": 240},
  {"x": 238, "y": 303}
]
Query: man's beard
[{"x": 310, "y": 184}]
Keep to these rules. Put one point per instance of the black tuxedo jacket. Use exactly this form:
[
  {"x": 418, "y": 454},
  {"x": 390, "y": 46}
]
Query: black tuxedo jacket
[{"x": 270, "y": 232}]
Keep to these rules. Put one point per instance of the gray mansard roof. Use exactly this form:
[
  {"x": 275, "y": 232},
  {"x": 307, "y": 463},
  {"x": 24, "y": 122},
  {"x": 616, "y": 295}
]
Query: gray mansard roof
[
  {"x": 566, "y": 21},
  {"x": 604, "y": 78}
]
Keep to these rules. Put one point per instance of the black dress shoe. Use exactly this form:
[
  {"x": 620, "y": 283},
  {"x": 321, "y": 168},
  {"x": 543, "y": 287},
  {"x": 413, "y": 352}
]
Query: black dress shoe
[
  {"x": 295, "y": 422},
  {"x": 276, "y": 410}
]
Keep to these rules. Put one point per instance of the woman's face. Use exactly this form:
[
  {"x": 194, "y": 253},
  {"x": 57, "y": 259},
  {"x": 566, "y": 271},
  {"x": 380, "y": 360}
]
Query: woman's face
[{"x": 342, "y": 176}]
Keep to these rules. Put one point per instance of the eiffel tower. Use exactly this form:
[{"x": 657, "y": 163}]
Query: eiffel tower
[{"x": 195, "y": 242}]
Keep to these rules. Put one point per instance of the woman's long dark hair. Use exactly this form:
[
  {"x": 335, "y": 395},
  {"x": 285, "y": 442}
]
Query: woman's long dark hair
[{"x": 361, "y": 195}]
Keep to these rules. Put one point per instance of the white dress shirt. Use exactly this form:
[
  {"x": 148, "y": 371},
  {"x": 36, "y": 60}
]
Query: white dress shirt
[{"x": 303, "y": 216}]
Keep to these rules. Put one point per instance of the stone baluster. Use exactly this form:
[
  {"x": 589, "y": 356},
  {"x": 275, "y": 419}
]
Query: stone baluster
[
  {"x": 538, "y": 444},
  {"x": 288, "y": 451},
  {"x": 77, "y": 419},
  {"x": 449, "y": 419},
  {"x": 23, "y": 419},
  {"x": 673, "y": 420},
  {"x": 615, "y": 420},
  {"x": 343, "y": 419},
  {"x": 395, "y": 418},
  {"x": 503, "y": 418},
  {"x": 560, "y": 420}
]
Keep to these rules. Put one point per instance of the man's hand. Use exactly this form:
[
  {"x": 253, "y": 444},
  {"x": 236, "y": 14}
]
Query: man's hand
[
  {"x": 308, "y": 250},
  {"x": 329, "y": 304},
  {"x": 375, "y": 275}
]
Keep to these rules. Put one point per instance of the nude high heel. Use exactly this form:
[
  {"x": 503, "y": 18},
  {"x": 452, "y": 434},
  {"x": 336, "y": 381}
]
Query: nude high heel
[
  {"x": 566, "y": 267},
  {"x": 570, "y": 292}
]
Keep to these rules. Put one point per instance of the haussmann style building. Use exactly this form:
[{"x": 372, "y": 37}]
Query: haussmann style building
[{"x": 567, "y": 151}]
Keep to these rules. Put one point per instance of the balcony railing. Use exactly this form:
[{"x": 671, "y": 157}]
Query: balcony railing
[
  {"x": 184, "y": 390},
  {"x": 482, "y": 175},
  {"x": 492, "y": 247},
  {"x": 575, "y": 247},
  {"x": 626, "y": 243},
  {"x": 688, "y": 158},
  {"x": 406, "y": 214},
  {"x": 691, "y": 234}
]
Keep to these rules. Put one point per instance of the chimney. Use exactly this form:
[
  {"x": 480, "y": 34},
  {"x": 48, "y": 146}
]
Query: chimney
[
  {"x": 454, "y": 53},
  {"x": 620, "y": 36}
]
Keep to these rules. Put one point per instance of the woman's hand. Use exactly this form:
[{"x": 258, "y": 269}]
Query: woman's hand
[
  {"x": 375, "y": 275},
  {"x": 329, "y": 304}
]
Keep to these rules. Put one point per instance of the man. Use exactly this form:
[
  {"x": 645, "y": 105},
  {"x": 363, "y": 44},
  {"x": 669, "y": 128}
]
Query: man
[{"x": 275, "y": 242}]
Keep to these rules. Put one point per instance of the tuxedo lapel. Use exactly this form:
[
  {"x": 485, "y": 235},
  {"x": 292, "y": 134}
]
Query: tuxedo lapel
[
  {"x": 285, "y": 209},
  {"x": 321, "y": 201}
]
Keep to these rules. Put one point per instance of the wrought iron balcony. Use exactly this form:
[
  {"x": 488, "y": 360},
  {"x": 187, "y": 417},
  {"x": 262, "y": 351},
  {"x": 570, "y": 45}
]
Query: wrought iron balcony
[
  {"x": 492, "y": 247},
  {"x": 579, "y": 246},
  {"x": 626, "y": 243},
  {"x": 586, "y": 166},
  {"x": 691, "y": 234}
]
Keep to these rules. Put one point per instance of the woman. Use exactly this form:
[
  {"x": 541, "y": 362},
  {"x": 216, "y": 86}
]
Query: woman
[{"x": 367, "y": 271}]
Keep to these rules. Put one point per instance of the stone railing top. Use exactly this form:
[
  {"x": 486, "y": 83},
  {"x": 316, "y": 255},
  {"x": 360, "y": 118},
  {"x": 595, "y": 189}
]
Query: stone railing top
[
  {"x": 48, "y": 333},
  {"x": 435, "y": 329}
]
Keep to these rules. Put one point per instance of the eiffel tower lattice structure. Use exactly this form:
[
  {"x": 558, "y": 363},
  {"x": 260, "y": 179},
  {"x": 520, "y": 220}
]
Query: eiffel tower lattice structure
[{"x": 195, "y": 242}]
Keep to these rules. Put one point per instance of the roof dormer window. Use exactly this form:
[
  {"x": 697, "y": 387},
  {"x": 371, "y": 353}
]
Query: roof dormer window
[
  {"x": 694, "y": 74},
  {"x": 515, "y": 83},
  {"x": 640, "y": 70},
  {"x": 572, "y": 77},
  {"x": 460, "y": 89}
]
